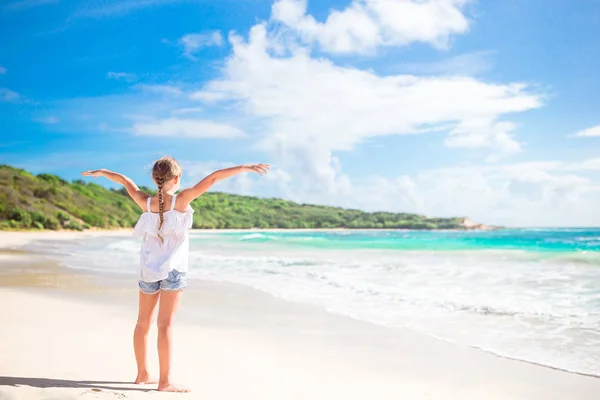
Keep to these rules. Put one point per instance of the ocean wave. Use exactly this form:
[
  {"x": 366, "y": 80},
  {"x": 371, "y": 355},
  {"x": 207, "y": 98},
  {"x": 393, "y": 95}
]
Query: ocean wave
[
  {"x": 579, "y": 257},
  {"x": 124, "y": 245},
  {"x": 489, "y": 310},
  {"x": 254, "y": 236},
  {"x": 587, "y": 238}
]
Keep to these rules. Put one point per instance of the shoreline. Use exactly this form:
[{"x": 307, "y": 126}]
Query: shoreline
[
  {"x": 9, "y": 240},
  {"x": 101, "y": 230}
]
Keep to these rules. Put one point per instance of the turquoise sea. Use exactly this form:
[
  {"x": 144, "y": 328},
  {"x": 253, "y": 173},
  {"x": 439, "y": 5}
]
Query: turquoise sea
[
  {"x": 528, "y": 294},
  {"x": 565, "y": 240}
]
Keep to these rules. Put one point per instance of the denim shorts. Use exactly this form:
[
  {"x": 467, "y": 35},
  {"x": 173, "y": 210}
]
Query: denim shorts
[{"x": 175, "y": 281}]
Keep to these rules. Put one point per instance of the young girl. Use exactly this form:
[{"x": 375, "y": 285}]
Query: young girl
[{"x": 163, "y": 228}]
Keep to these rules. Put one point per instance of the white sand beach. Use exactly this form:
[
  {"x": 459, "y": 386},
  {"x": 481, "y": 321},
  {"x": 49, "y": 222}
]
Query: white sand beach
[{"x": 59, "y": 340}]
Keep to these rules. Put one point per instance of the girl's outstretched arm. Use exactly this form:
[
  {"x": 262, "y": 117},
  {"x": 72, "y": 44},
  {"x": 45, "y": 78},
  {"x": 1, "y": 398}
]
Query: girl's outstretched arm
[
  {"x": 189, "y": 194},
  {"x": 134, "y": 191}
]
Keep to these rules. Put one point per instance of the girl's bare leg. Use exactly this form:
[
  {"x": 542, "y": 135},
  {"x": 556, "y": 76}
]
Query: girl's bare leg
[
  {"x": 140, "y": 335},
  {"x": 169, "y": 301}
]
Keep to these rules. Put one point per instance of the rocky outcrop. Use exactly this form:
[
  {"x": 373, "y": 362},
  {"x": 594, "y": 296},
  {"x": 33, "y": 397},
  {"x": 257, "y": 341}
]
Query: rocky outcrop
[{"x": 468, "y": 224}]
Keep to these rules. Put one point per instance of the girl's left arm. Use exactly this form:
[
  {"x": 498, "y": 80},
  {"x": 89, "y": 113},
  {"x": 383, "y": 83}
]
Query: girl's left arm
[{"x": 134, "y": 191}]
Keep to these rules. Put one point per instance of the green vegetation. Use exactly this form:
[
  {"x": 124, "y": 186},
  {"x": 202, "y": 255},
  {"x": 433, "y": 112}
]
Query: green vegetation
[{"x": 48, "y": 202}]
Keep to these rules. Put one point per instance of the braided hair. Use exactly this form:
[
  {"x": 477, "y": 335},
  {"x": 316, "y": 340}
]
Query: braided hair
[{"x": 164, "y": 169}]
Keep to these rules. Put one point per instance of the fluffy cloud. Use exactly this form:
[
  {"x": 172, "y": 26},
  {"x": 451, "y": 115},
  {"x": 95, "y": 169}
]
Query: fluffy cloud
[
  {"x": 586, "y": 165},
  {"x": 193, "y": 42},
  {"x": 305, "y": 99},
  {"x": 312, "y": 108},
  {"x": 367, "y": 24},
  {"x": 548, "y": 193},
  {"x": 593, "y": 131},
  {"x": 484, "y": 132},
  {"x": 527, "y": 194},
  {"x": 193, "y": 128},
  {"x": 521, "y": 194},
  {"x": 2, "y": 70}
]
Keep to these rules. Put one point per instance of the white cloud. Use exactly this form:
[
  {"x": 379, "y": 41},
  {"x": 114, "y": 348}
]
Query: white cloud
[
  {"x": 303, "y": 99},
  {"x": 25, "y": 4},
  {"x": 527, "y": 194},
  {"x": 367, "y": 24},
  {"x": 192, "y": 128},
  {"x": 312, "y": 108},
  {"x": 593, "y": 131},
  {"x": 118, "y": 112},
  {"x": 245, "y": 184},
  {"x": 548, "y": 193},
  {"x": 522, "y": 194},
  {"x": 8, "y": 95},
  {"x": 518, "y": 194},
  {"x": 115, "y": 8},
  {"x": 592, "y": 164},
  {"x": 470, "y": 64},
  {"x": 208, "y": 96},
  {"x": 187, "y": 110},
  {"x": 2, "y": 70},
  {"x": 477, "y": 133},
  {"x": 125, "y": 76},
  {"x": 50, "y": 120},
  {"x": 194, "y": 171},
  {"x": 193, "y": 42},
  {"x": 162, "y": 89}
]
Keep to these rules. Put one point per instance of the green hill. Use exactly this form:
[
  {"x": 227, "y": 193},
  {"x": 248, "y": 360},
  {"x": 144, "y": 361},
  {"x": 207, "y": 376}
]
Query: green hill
[{"x": 46, "y": 201}]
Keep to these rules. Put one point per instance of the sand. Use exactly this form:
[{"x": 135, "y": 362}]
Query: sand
[
  {"x": 71, "y": 338},
  {"x": 12, "y": 240}
]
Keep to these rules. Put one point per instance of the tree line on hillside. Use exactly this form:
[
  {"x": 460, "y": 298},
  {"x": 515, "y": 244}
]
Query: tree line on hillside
[{"x": 46, "y": 201}]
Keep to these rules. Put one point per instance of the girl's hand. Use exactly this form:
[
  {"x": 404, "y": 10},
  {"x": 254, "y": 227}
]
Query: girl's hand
[
  {"x": 92, "y": 172},
  {"x": 260, "y": 169}
]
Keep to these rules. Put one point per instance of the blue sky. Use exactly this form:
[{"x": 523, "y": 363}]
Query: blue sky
[{"x": 442, "y": 107}]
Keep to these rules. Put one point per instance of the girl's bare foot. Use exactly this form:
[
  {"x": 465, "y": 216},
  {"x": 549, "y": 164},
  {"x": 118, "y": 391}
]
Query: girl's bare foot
[
  {"x": 145, "y": 379},
  {"x": 169, "y": 387}
]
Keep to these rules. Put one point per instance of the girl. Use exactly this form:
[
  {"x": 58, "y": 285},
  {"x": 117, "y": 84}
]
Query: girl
[{"x": 164, "y": 254}]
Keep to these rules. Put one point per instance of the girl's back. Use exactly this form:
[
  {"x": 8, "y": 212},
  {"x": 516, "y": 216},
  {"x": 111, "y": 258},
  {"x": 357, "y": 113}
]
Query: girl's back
[{"x": 165, "y": 244}]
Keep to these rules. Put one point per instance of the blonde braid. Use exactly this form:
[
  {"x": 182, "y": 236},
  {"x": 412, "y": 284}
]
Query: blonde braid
[
  {"x": 161, "y": 202},
  {"x": 164, "y": 169}
]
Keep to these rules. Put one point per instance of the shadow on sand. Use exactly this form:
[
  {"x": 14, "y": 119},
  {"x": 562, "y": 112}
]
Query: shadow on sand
[{"x": 64, "y": 383}]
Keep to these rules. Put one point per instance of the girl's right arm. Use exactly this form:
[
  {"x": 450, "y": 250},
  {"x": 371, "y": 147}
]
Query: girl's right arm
[
  {"x": 134, "y": 191},
  {"x": 189, "y": 194}
]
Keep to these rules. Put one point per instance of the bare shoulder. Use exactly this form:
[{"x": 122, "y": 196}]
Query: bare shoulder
[
  {"x": 183, "y": 200},
  {"x": 142, "y": 200}
]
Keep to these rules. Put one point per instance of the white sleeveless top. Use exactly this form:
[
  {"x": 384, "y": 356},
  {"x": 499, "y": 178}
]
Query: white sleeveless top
[{"x": 158, "y": 258}]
